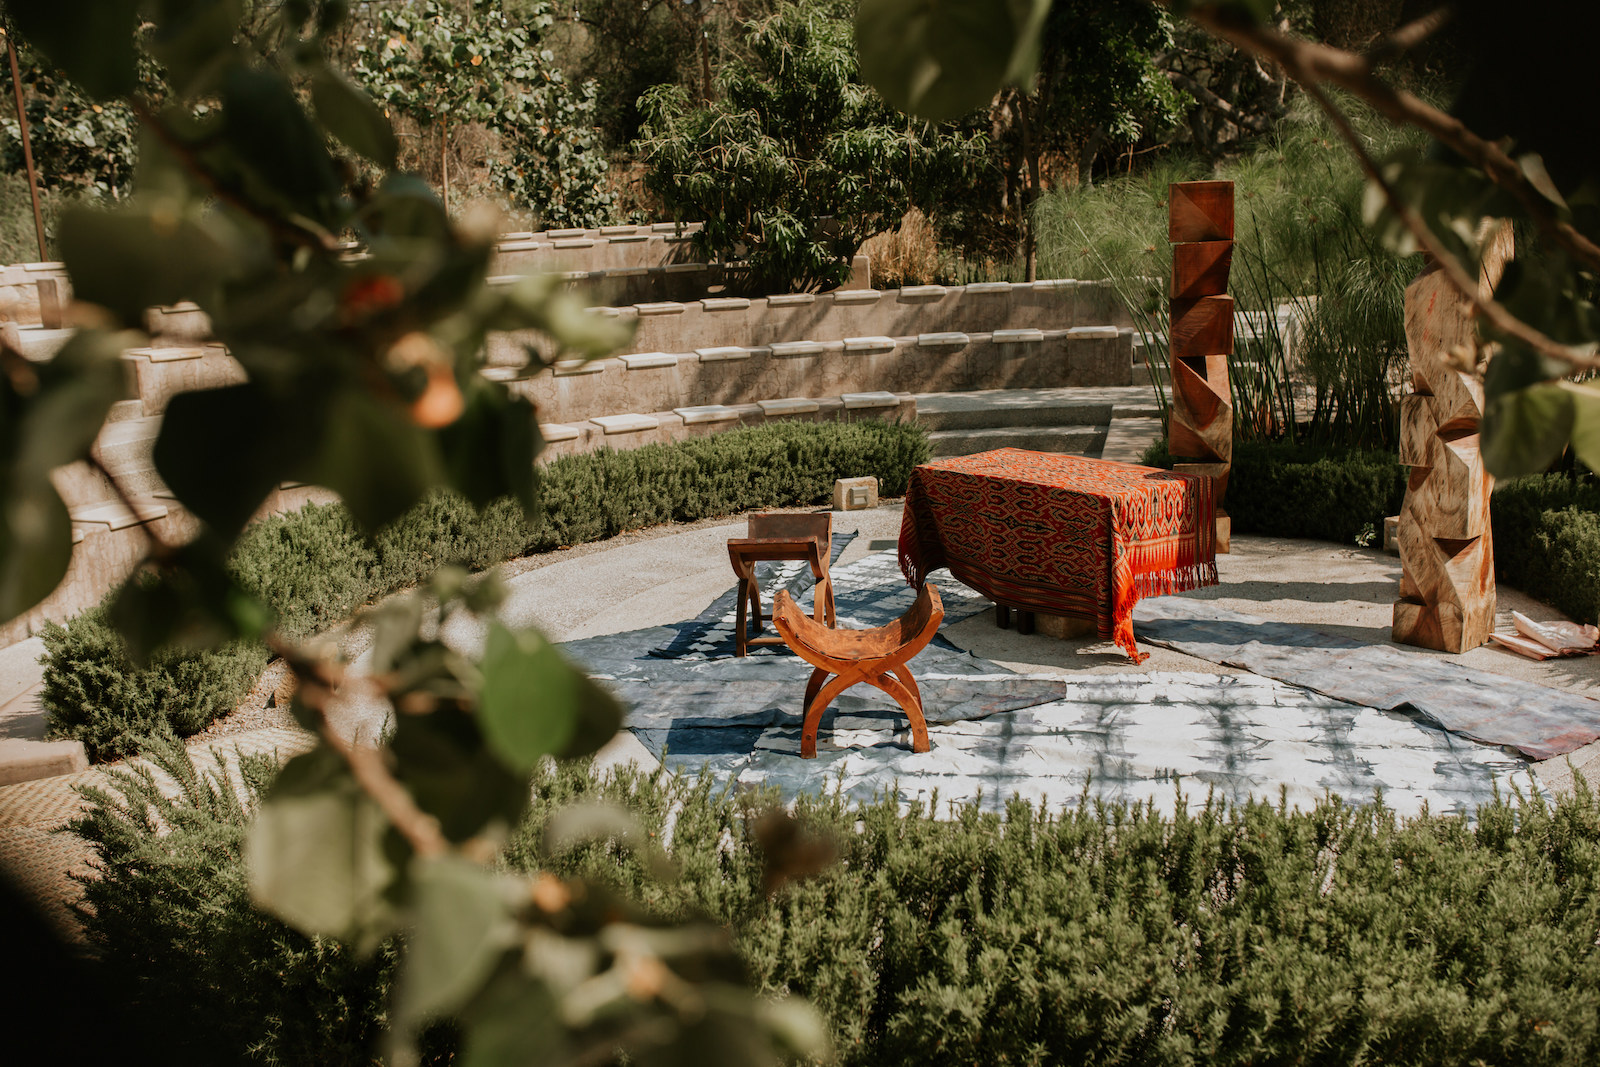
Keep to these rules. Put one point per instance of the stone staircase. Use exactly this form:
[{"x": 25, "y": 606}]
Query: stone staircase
[{"x": 1115, "y": 422}]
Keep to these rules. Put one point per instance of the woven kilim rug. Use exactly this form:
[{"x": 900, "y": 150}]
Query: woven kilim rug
[{"x": 1065, "y": 535}]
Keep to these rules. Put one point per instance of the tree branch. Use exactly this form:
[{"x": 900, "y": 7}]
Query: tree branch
[
  {"x": 1477, "y": 303},
  {"x": 1407, "y": 37},
  {"x": 318, "y": 681},
  {"x": 1216, "y": 103},
  {"x": 1314, "y": 63}
]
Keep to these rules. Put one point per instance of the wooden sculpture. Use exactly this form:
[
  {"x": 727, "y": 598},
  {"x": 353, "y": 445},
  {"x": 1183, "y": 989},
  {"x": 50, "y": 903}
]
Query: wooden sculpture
[
  {"x": 793, "y": 536},
  {"x": 1447, "y": 592},
  {"x": 878, "y": 657},
  {"x": 1200, "y": 334}
]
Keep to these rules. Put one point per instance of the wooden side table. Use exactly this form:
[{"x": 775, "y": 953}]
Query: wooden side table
[{"x": 786, "y": 536}]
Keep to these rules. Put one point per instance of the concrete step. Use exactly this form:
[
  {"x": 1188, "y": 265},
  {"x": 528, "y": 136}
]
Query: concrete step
[{"x": 1078, "y": 440}]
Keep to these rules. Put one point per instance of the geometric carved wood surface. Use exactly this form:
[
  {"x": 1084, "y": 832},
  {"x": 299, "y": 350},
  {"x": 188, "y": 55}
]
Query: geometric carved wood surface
[
  {"x": 1200, "y": 334},
  {"x": 1447, "y": 592}
]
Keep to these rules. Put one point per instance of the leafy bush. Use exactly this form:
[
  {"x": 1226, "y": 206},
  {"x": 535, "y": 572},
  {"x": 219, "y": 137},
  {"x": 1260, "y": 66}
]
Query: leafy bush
[
  {"x": 94, "y": 693},
  {"x": 1099, "y": 934},
  {"x": 171, "y": 921},
  {"x": 1547, "y": 541},
  {"x": 1324, "y": 493},
  {"x": 313, "y": 568}
]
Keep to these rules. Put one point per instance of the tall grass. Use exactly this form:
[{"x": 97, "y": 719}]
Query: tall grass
[{"x": 1320, "y": 306}]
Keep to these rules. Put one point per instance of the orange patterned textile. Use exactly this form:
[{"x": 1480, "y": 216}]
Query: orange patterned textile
[{"x": 1064, "y": 535}]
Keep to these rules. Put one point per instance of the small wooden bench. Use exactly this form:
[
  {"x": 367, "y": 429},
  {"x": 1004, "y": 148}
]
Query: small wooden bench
[
  {"x": 781, "y": 536},
  {"x": 878, "y": 657}
]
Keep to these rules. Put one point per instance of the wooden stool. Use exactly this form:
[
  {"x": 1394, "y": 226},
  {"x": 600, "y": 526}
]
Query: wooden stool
[
  {"x": 780, "y": 536},
  {"x": 878, "y": 657}
]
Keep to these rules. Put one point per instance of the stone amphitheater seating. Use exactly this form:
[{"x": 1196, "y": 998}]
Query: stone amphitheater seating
[{"x": 1059, "y": 350}]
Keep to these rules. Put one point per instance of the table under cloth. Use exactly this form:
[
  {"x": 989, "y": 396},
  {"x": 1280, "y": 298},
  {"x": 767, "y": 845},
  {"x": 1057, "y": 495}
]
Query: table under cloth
[{"x": 1059, "y": 534}]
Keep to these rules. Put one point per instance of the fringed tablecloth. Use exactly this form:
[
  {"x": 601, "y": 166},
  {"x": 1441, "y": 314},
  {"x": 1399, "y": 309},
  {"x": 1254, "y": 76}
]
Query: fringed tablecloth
[{"x": 1063, "y": 535}]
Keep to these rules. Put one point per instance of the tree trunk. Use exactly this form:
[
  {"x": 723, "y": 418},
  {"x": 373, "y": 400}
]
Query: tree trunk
[
  {"x": 444, "y": 160},
  {"x": 1030, "y": 152}
]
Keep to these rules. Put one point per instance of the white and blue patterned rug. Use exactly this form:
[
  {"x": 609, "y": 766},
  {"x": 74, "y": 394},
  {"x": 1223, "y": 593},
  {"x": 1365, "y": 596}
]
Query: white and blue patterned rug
[{"x": 997, "y": 735}]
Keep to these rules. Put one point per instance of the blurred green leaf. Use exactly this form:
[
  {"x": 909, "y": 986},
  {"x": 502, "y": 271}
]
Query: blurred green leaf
[
  {"x": 192, "y": 39},
  {"x": 284, "y": 158},
  {"x": 377, "y": 460},
  {"x": 940, "y": 59},
  {"x": 140, "y": 256},
  {"x": 489, "y": 451},
  {"x": 90, "y": 40},
  {"x": 352, "y": 117},
  {"x": 1585, "y": 422},
  {"x": 462, "y": 925},
  {"x": 50, "y": 414},
  {"x": 535, "y": 704},
  {"x": 221, "y": 451},
  {"x": 315, "y": 853},
  {"x": 454, "y": 776},
  {"x": 1524, "y": 431},
  {"x": 190, "y": 600}
]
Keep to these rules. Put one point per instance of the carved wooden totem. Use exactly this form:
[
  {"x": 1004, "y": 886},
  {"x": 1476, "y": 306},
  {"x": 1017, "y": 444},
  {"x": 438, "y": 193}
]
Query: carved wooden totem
[
  {"x": 1446, "y": 551},
  {"x": 1200, "y": 423}
]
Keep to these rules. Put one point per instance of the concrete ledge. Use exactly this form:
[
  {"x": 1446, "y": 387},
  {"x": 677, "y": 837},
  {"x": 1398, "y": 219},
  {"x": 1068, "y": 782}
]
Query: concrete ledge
[
  {"x": 856, "y": 401},
  {"x": 784, "y": 300},
  {"x": 27, "y": 761},
  {"x": 988, "y": 287},
  {"x": 856, "y": 296},
  {"x": 703, "y": 413},
  {"x": 630, "y": 423},
  {"x": 555, "y": 431},
  {"x": 722, "y": 353},
  {"x": 724, "y": 303},
  {"x": 1006, "y": 337},
  {"x": 1092, "y": 331},
  {"x": 648, "y": 360},
  {"x": 566, "y": 368},
  {"x": 786, "y": 349},
  {"x": 923, "y": 292},
  {"x": 664, "y": 307},
  {"x": 941, "y": 340},
  {"x": 869, "y": 344},
  {"x": 118, "y": 516},
  {"x": 793, "y": 405}
]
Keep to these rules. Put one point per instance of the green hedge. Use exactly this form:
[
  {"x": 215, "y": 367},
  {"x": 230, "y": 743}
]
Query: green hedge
[
  {"x": 1547, "y": 541},
  {"x": 314, "y": 568},
  {"x": 1103, "y": 934},
  {"x": 1327, "y": 494}
]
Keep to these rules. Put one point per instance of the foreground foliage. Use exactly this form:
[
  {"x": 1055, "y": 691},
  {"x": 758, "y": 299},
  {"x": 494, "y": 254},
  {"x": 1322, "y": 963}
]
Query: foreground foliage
[
  {"x": 1100, "y": 933},
  {"x": 1547, "y": 541}
]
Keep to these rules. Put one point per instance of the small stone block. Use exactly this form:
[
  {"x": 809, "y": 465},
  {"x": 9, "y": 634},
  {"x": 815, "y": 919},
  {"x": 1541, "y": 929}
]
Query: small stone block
[
  {"x": 797, "y": 348},
  {"x": 941, "y": 340},
  {"x": 922, "y": 292},
  {"x": 166, "y": 355},
  {"x": 649, "y": 360},
  {"x": 613, "y": 231},
  {"x": 627, "y": 238},
  {"x": 793, "y": 405},
  {"x": 574, "y": 242},
  {"x": 1011, "y": 337},
  {"x": 575, "y": 275},
  {"x": 23, "y": 760},
  {"x": 725, "y": 303},
  {"x": 564, "y": 368},
  {"x": 855, "y": 296},
  {"x": 693, "y": 416},
  {"x": 665, "y": 227},
  {"x": 555, "y": 431},
  {"x": 1391, "y": 535},
  {"x": 629, "y": 423},
  {"x": 722, "y": 353},
  {"x": 685, "y": 268},
  {"x": 119, "y": 516},
  {"x": 500, "y": 373},
  {"x": 853, "y": 401},
  {"x": 569, "y": 232},
  {"x": 1224, "y": 533},
  {"x": 518, "y": 246},
  {"x": 854, "y": 494},
  {"x": 869, "y": 344},
  {"x": 1092, "y": 331},
  {"x": 989, "y": 287},
  {"x": 784, "y": 300},
  {"x": 665, "y": 307},
  {"x": 49, "y": 265},
  {"x": 516, "y": 235},
  {"x": 1063, "y": 627}
]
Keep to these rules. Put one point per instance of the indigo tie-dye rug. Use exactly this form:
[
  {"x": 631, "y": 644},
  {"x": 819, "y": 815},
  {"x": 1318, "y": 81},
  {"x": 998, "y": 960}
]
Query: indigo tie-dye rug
[{"x": 998, "y": 735}]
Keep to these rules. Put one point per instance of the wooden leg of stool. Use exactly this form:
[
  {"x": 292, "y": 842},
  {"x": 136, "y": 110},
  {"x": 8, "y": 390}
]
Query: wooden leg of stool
[
  {"x": 892, "y": 685},
  {"x": 818, "y": 676},
  {"x": 741, "y": 632},
  {"x": 814, "y": 710},
  {"x": 1024, "y": 622}
]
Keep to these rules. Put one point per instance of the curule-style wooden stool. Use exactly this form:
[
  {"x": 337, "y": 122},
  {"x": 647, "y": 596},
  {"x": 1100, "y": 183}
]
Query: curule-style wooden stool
[
  {"x": 801, "y": 536},
  {"x": 879, "y": 657}
]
